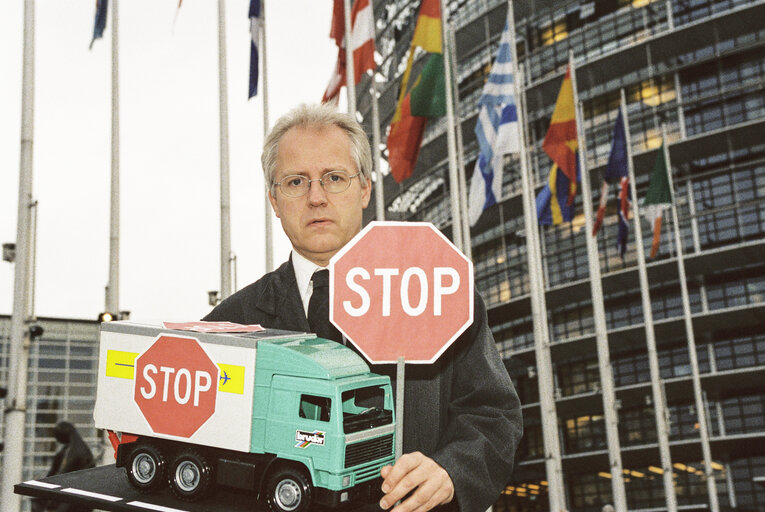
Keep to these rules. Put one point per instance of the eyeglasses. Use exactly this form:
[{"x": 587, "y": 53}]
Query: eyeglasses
[{"x": 296, "y": 185}]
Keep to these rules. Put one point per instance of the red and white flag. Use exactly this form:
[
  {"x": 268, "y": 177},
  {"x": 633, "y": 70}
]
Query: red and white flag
[{"x": 362, "y": 44}]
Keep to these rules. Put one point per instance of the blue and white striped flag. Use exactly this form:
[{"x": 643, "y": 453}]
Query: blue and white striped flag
[
  {"x": 496, "y": 129},
  {"x": 255, "y": 21}
]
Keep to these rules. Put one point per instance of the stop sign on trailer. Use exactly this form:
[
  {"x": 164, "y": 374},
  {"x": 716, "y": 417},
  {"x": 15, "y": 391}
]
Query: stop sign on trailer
[
  {"x": 401, "y": 289},
  {"x": 176, "y": 385}
]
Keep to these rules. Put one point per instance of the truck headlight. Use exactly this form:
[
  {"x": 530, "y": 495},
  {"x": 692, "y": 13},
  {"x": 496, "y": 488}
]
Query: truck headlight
[{"x": 346, "y": 480}]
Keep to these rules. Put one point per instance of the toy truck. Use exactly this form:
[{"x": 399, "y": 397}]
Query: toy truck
[{"x": 290, "y": 417}]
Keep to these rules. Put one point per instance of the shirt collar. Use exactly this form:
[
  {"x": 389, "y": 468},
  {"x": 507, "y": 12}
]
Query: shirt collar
[{"x": 304, "y": 269}]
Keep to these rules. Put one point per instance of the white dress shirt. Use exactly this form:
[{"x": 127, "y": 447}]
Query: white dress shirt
[{"x": 304, "y": 270}]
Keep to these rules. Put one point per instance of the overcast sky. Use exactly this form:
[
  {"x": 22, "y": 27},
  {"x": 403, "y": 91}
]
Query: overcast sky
[{"x": 170, "y": 226}]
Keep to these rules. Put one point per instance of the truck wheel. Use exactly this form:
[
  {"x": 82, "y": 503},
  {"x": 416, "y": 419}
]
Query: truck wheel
[
  {"x": 288, "y": 490},
  {"x": 146, "y": 467},
  {"x": 191, "y": 475}
]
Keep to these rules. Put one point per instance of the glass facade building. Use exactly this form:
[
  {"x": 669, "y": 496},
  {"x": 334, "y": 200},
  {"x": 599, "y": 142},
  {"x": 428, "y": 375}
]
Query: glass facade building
[
  {"x": 62, "y": 377},
  {"x": 697, "y": 67}
]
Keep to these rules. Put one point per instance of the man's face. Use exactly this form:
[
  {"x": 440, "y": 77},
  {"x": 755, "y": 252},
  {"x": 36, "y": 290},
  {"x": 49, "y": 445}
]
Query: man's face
[{"x": 318, "y": 223}]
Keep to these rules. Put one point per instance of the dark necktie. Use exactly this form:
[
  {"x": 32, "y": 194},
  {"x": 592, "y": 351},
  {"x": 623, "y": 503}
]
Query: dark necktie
[{"x": 318, "y": 308}]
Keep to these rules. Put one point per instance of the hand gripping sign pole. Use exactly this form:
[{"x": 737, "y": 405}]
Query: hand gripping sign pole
[{"x": 400, "y": 281}]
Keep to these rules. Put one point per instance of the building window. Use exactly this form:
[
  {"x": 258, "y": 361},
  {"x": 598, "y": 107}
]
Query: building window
[
  {"x": 513, "y": 335},
  {"x": 637, "y": 426},
  {"x": 572, "y": 322},
  {"x": 744, "y": 414},
  {"x": 739, "y": 288},
  {"x": 690, "y": 483},
  {"x": 590, "y": 490},
  {"x": 565, "y": 252},
  {"x": 749, "y": 495},
  {"x": 644, "y": 488},
  {"x": 686, "y": 12},
  {"x": 740, "y": 352},
  {"x": 683, "y": 422},
  {"x": 584, "y": 433},
  {"x": 532, "y": 444},
  {"x": 718, "y": 96},
  {"x": 674, "y": 362},
  {"x": 528, "y": 389},
  {"x": 579, "y": 377}
]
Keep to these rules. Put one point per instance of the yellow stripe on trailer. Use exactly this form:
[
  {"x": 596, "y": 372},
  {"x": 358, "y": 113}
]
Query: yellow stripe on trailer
[
  {"x": 231, "y": 379},
  {"x": 120, "y": 364}
]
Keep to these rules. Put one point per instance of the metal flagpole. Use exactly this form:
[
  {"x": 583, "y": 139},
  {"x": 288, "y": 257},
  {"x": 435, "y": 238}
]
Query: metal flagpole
[
  {"x": 379, "y": 192},
  {"x": 112, "y": 304},
  {"x": 451, "y": 47},
  {"x": 113, "y": 288},
  {"x": 549, "y": 415},
  {"x": 264, "y": 87},
  {"x": 714, "y": 504},
  {"x": 451, "y": 142},
  {"x": 599, "y": 316},
  {"x": 15, "y": 411},
  {"x": 660, "y": 407},
  {"x": 225, "y": 195},
  {"x": 350, "y": 84}
]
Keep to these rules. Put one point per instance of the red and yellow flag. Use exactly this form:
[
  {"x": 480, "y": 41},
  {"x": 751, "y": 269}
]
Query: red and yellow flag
[
  {"x": 408, "y": 123},
  {"x": 561, "y": 143}
]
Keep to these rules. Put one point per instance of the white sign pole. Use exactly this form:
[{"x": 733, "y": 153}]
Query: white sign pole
[{"x": 400, "y": 365}]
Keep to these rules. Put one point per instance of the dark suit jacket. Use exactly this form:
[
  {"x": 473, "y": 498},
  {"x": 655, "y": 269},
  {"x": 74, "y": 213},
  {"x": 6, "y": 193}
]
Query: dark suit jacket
[{"x": 461, "y": 411}]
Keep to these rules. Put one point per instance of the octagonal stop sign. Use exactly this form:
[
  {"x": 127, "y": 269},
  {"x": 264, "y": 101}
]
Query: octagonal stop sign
[
  {"x": 401, "y": 289},
  {"x": 176, "y": 385}
]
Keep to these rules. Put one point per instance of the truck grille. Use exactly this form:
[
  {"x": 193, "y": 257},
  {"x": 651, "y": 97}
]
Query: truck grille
[{"x": 367, "y": 451}]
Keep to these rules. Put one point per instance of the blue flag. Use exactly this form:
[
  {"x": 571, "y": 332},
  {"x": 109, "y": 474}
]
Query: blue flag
[
  {"x": 255, "y": 21},
  {"x": 617, "y": 172},
  {"x": 496, "y": 129},
  {"x": 100, "y": 22}
]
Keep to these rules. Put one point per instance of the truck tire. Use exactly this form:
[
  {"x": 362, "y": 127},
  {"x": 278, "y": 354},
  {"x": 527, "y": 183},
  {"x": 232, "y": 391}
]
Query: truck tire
[
  {"x": 190, "y": 476},
  {"x": 146, "y": 467},
  {"x": 288, "y": 489}
]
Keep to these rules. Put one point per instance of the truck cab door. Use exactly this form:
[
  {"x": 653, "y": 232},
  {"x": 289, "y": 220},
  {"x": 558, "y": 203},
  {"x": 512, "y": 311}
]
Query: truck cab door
[{"x": 301, "y": 424}]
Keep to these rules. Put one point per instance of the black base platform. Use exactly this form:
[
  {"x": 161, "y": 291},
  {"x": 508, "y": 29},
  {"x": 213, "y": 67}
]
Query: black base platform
[{"x": 107, "y": 488}]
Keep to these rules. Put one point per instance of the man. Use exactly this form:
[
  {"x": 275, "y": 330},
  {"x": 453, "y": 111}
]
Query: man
[{"x": 462, "y": 418}]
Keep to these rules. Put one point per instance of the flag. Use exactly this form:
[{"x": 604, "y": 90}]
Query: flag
[
  {"x": 404, "y": 141},
  {"x": 427, "y": 98},
  {"x": 421, "y": 103},
  {"x": 255, "y": 24},
  {"x": 555, "y": 202},
  {"x": 100, "y": 22},
  {"x": 616, "y": 171},
  {"x": 624, "y": 214},
  {"x": 496, "y": 129},
  {"x": 337, "y": 28},
  {"x": 658, "y": 198},
  {"x": 362, "y": 45}
]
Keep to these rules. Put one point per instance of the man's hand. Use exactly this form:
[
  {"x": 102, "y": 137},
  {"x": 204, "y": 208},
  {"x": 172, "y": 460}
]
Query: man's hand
[{"x": 433, "y": 485}]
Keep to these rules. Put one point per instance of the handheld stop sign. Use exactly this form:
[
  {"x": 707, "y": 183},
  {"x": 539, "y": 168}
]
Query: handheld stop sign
[{"x": 401, "y": 292}]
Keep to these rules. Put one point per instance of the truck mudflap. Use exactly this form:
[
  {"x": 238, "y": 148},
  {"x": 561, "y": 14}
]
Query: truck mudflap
[{"x": 363, "y": 493}]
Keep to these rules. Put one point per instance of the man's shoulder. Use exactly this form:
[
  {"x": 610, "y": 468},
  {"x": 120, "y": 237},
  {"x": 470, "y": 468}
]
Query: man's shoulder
[{"x": 260, "y": 297}]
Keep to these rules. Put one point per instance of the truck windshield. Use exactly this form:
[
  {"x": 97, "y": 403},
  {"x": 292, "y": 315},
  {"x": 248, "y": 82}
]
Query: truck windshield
[{"x": 364, "y": 408}]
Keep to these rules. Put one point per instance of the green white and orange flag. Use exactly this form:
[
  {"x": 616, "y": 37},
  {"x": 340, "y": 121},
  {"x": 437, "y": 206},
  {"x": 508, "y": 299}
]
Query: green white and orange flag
[
  {"x": 657, "y": 199},
  {"x": 425, "y": 99}
]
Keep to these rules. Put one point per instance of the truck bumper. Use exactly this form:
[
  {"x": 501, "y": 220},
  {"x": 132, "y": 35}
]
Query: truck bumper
[{"x": 366, "y": 492}]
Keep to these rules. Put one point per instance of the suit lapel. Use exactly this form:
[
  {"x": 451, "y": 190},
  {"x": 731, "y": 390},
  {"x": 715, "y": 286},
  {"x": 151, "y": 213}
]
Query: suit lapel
[{"x": 281, "y": 300}]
